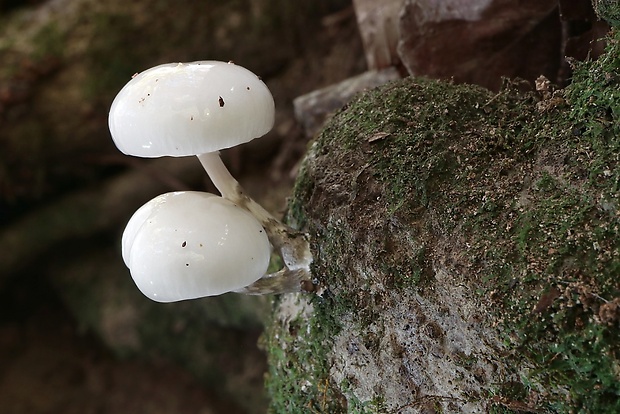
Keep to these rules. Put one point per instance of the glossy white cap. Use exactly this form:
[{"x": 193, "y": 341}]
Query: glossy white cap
[
  {"x": 180, "y": 109},
  {"x": 186, "y": 245}
]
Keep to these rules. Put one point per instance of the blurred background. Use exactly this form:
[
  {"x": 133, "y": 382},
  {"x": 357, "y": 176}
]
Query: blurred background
[{"x": 75, "y": 333}]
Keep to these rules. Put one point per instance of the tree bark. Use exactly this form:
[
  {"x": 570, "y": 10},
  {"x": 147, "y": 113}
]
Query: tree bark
[{"x": 466, "y": 247}]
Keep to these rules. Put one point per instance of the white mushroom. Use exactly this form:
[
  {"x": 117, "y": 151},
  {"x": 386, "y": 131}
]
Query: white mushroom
[
  {"x": 198, "y": 109},
  {"x": 180, "y": 109},
  {"x": 186, "y": 245}
]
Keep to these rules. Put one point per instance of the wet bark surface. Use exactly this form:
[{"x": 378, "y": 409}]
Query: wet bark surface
[{"x": 466, "y": 249}]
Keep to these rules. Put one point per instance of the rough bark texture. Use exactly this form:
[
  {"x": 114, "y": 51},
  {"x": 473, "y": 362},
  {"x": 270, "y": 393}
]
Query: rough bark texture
[{"x": 468, "y": 249}]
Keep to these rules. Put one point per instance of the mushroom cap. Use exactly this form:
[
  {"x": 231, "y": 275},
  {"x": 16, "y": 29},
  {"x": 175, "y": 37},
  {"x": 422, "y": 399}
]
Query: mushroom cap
[
  {"x": 181, "y": 109},
  {"x": 186, "y": 245}
]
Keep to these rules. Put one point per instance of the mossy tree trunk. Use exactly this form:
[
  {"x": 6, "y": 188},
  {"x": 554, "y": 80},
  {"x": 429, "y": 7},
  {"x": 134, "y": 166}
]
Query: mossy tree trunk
[{"x": 467, "y": 245}]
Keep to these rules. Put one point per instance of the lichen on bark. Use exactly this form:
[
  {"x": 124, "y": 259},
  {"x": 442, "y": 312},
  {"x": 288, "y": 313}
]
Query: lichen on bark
[{"x": 467, "y": 244}]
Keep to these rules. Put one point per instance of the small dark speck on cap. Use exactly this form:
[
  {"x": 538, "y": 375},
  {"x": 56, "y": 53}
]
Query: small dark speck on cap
[
  {"x": 184, "y": 244},
  {"x": 221, "y": 102},
  {"x": 186, "y": 264}
]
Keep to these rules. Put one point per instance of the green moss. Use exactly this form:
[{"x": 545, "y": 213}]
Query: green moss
[
  {"x": 608, "y": 10},
  {"x": 532, "y": 191},
  {"x": 568, "y": 241},
  {"x": 298, "y": 378},
  {"x": 595, "y": 110}
]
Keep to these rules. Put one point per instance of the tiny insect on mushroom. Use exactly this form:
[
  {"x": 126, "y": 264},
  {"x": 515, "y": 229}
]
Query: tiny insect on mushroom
[
  {"x": 188, "y": 244},
  {"x": 200, "y": 108}
]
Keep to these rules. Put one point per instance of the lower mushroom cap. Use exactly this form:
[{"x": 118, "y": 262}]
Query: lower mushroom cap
[{"x": 186, "y": 245}]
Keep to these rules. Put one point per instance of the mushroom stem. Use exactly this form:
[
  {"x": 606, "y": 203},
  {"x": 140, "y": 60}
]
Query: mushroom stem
[
  {"x": 226, "y": 184},
  {"x": 282, "y": 281},
  {"x": 291, "y": 245}
]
